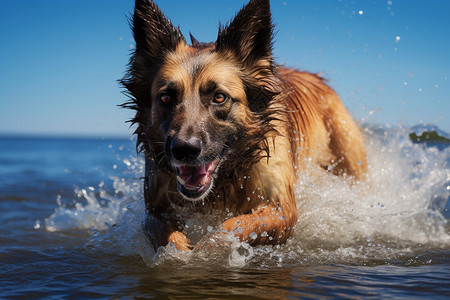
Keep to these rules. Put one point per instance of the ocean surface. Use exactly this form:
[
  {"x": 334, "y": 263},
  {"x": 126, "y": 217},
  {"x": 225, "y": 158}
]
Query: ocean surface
[{"x": 71, "y": 214}]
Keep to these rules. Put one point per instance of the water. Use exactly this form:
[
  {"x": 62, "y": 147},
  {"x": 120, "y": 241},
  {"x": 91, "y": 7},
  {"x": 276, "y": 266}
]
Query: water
[{"x": 72, "y": 210}]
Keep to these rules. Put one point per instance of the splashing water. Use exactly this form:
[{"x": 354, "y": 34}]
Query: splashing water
[
  {"x": 395, "y": 212},
  {"x": 398, "y": 213}
]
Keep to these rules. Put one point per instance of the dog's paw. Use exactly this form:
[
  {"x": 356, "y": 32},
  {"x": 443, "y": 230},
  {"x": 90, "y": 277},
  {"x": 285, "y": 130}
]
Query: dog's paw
[{"x": 180, "y": 241}]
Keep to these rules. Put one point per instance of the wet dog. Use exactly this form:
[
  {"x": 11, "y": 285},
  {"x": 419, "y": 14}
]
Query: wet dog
[{"x": 224, "y": 128}]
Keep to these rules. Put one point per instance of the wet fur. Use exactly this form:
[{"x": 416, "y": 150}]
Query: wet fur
[{"x": 276, "y": 122}]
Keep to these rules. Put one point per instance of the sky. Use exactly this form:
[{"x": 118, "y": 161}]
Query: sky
[{"x": 60, "y": 59}]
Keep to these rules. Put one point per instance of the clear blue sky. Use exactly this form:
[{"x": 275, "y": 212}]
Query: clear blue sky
[{"x": 60, "y": 59}]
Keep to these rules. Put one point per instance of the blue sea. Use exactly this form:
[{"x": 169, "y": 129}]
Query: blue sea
[{"x": 71, "y": 215}]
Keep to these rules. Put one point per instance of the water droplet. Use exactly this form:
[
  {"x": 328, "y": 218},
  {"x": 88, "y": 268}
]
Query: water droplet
[
  {"x": 37, "y": 225},
  {"x": 253, "y": 235}
]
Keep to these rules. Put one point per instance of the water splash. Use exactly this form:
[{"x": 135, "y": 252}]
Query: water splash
[
  {"x": 395, "y": 213},
  {"x": 399, "y": 212}
]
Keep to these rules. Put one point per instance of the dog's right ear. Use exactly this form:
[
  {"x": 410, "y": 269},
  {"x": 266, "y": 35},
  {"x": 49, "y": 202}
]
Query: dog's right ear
[
  {"x": 249, "y": 35},
  {"x": 153, "y": 32}
]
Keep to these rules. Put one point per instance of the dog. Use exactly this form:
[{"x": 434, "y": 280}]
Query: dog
[{"x": 224, "y": 128}]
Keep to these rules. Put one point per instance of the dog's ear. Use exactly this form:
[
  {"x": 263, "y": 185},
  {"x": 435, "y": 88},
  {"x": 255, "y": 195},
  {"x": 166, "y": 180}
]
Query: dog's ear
[
  {"x": 249, "y": 34},
  {"x": 153, "y": 32}
]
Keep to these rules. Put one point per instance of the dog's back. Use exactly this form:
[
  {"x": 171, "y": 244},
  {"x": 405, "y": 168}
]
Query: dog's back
[{"x": 324, "y": 132}]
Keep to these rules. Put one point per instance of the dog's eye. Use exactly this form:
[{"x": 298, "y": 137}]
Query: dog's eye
[
  {"x": 219, "y": 98},
  {"x": 165, "y": 98}
]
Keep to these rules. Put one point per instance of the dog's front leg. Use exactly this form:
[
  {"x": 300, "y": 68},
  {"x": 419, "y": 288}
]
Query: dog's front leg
[
  {"x": 159, "y": 226},
  {"x": 267, "y": 225},
  {"x": 161, "y": 233}
]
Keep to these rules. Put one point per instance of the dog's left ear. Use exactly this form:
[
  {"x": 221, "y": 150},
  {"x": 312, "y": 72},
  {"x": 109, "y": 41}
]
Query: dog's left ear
[{"x": 249, "y": 35}]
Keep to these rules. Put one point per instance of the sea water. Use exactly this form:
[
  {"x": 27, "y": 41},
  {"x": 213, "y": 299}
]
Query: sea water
[{"x": 72, "y": 212}]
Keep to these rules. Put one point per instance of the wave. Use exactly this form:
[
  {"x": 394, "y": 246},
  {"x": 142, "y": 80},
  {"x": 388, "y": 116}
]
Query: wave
[{"x": 398, "y": 214}]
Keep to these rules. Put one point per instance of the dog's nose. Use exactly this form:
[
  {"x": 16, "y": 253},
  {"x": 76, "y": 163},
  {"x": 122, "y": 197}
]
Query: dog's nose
[{"x": 185, "y": 150}]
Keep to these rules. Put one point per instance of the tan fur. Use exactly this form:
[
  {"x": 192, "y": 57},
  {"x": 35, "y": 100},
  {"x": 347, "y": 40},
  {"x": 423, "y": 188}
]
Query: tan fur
[
  {"x": 320, "y": 129},
  {"x": 314, "y": 128},
  {"x": 277, "y": 122}
]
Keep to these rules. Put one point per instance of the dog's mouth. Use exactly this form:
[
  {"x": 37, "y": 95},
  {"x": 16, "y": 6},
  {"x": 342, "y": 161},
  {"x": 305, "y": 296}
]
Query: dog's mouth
[{"x": 194, "y": 182}]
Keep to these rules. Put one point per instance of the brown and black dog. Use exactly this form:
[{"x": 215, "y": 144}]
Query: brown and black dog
[{"x": 224, "y": 128}]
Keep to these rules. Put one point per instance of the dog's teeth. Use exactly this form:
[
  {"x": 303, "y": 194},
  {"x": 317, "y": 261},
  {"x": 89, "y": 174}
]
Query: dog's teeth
[
  {"x": 204, "y": 180},
  {"x": 180, "y": 180}
]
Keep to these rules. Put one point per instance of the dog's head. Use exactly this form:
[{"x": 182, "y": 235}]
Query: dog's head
[{"x": 200, "y": 105}]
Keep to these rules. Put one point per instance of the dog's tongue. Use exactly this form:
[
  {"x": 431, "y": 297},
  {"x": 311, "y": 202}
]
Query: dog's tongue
[{"x": 192, "y": 176}]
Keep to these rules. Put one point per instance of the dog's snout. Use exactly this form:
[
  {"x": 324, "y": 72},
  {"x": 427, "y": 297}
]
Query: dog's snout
[{"x": 185, "y": 150}]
